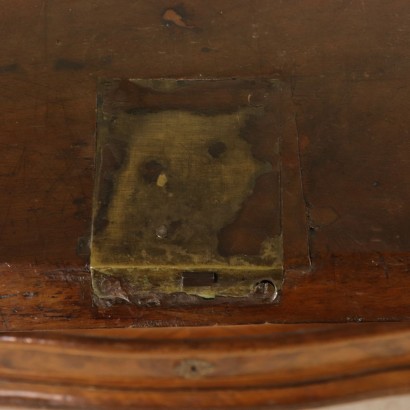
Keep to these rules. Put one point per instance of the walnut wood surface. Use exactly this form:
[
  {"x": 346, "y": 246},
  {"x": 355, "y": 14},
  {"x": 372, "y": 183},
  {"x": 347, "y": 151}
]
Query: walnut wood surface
[
  {"x": 245, "y": 367},
  {"x": 347, "y": 65},
  {"x": 61, "y": 298},
  {"x": 348, "y": 68}
]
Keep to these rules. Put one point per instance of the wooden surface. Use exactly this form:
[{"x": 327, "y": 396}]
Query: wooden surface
[
  {"x": 348, "y": 68},
  {"x": 242, "y": 367}
]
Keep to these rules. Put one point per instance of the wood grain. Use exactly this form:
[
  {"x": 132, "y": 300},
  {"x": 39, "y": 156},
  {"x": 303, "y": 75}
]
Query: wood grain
[
  {"x": 342, "y": 290},
  {"x": 346, "y": 64},
  {"x": 245, "y": 367},
  {"x": 348, "y": 68}
]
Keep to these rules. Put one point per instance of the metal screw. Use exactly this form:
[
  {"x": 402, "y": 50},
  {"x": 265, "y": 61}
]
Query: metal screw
[{"x": 265, "y": 289}]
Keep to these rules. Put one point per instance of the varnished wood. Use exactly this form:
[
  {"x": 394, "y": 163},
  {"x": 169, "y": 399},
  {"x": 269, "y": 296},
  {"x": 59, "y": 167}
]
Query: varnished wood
[
  {"x": 346, "y": 64},
  {"x": 340, "y": 290},
  {"x": 247, "y": 367}
]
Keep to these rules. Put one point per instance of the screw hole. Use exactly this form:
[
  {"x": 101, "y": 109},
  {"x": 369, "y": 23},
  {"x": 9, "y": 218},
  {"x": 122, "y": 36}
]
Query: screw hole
[{"x": 266, "y": 290}]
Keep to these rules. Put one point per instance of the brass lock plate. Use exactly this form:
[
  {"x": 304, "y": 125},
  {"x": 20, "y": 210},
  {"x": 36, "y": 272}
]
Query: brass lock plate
[{"x": 187, "y": 192}]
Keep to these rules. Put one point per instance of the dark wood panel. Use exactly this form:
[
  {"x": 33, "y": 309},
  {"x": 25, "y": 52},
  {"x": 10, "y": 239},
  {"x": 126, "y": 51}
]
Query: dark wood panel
[{"x": 348, "y": 67}]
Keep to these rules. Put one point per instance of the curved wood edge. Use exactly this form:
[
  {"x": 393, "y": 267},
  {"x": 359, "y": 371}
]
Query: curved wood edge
[{"x": 265, "y": 366}]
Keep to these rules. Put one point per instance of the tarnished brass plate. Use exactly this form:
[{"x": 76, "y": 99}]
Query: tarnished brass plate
[{"x": 187, "y": 192}]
